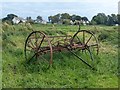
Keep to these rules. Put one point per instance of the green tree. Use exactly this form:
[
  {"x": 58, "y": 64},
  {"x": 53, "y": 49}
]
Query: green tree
[
  {"x": 65, "y": 16},
  {"x": 9, "y": 18},
  {"x": 39, "y": 19},
  {"x": 50, "y": 18},
  {"x": 114, "y": 17},
  {"x": 110, "y": 20},
  {"x": 54, "y": 19},
  {"x": 77, "y": 17},
  {"x": 85, "y": 18},
  {"x": 94, "y": 20},
  {"x": 100, "y": 18},
  {"x": 66, "y": 21},
  {"x": 29, "y": 20},
  {"x": 73, "y": 17}
]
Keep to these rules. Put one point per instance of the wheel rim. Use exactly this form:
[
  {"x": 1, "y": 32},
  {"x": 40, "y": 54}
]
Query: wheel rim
[
  {"x": 36, "y": 44},
  {"x": 89, "y": 41}
]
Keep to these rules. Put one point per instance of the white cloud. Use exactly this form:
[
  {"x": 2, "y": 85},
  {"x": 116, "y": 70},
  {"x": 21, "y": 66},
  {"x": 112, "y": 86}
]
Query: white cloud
[
  {"x": 46, "y": 7},
  {"x": 87, "y": 1}
]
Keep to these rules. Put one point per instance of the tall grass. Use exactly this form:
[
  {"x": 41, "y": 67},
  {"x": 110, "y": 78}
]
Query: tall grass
[{"x": 67, "y": 70}]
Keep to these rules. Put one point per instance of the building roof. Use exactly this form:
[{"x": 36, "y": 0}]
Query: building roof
[{"x": 19, "y": 18}]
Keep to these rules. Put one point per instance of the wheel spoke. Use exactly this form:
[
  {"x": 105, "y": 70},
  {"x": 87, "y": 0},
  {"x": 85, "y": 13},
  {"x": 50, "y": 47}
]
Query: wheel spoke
[
  {"x": 30, "y": 42},
  {"x": 32, "y": 57},
  {"x": 82, "y": 59},
  {"x": 83, "y": 37},
  {"x": 52, "y": 40},
  {"x": 88, "y": 39},
  {"x": 36, "y": 44},
  {"x": 29, "y": 45},
  {"x": 41, "y": 42},
  {"x": 36, "y": 56},
  {"x": 36, "y": 40},
  {"x": 78, "y": 40}
]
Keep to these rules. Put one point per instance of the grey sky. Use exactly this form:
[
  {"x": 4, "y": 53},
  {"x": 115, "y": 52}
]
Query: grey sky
[{"x": 46, "y": 8}]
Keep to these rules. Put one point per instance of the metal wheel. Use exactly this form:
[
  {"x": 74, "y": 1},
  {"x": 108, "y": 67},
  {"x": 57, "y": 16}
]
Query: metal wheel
[
  {"x": 88, "y": 42},
  {"x": 37, "y": 45}
]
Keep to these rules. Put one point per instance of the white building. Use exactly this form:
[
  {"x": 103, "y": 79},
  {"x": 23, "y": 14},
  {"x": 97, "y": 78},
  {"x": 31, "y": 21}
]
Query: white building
[
  {"x": 41, "y": 21},
  {"x": 44, "y": 22},
  {"x": 17, "y": 20}
]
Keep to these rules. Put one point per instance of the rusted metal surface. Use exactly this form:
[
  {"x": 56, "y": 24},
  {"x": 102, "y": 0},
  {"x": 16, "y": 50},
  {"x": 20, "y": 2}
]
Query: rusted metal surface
[{"x": 38, "y": 44}]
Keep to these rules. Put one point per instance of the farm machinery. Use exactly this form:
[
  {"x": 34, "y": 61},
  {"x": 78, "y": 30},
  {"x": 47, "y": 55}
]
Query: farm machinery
[{"x": 43, "y": 46}]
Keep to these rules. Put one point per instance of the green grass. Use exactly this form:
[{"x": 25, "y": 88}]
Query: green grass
[{"x": 67, "y": 70}]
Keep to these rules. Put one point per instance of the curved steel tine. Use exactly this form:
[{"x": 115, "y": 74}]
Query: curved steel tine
[
  {"x": 95, "y": 47},
  {"x": 83, "y": 37},
  {"x": 90, "y": 54},
  {"x": 82, "y": 51},
  {"x": 85, "y": 52}
]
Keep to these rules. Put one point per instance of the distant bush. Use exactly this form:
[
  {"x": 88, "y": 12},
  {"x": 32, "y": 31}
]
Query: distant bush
[
  {"x": 103, "y": 36},
  {"x": 109, "y": 36},
  {"x": 66, "y": 22},
  {"x": 8, "y": 22},
  {"x": 115, "y": 27}
]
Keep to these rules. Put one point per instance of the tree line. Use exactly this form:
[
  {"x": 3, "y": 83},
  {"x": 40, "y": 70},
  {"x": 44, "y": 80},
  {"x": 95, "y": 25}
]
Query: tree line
[
  {"x": 65, "y": 18},
  {"x": 103, "y": 19}
]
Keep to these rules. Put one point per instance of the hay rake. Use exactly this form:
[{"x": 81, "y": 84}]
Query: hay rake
[{"x": 40, "y": 45}]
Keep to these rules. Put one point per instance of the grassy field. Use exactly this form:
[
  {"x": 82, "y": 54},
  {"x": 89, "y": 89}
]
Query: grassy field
[{"x": 67, "y": 70}]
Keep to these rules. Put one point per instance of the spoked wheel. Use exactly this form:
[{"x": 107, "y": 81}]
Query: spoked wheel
[
  {"x": 37, "y": 46},
  {"x": 87, "y": 45}
]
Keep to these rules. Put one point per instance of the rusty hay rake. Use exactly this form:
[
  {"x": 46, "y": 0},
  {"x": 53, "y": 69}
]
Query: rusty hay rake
[{"x": 40, "y": 45}]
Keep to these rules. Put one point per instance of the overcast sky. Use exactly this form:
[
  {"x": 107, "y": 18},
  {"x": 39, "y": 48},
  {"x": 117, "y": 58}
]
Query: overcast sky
[{"x": 45, "y": 8}]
